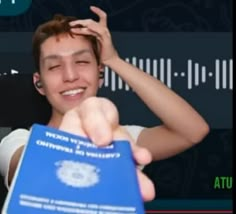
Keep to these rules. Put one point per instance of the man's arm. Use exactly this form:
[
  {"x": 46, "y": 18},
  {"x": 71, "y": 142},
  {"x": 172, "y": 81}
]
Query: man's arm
[{"x": 182, "y": 126}]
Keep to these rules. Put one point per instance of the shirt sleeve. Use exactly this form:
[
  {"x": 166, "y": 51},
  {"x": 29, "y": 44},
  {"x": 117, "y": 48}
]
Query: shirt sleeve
[
  {"x": 135, "y": 131},
  {"x": 8, "y": 146}
]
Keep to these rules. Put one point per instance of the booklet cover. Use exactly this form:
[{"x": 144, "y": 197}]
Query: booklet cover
[{"x": 65, "y": 173}]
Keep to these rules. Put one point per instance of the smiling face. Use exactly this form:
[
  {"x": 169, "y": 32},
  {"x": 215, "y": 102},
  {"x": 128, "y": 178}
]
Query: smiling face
[{"x": 69, "y": 72}]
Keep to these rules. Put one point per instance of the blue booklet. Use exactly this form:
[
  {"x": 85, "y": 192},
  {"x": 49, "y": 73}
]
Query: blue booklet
[{"x": 65, "y": 173}]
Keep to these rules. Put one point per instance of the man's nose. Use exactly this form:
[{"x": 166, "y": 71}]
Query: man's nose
[{"x": 70, "y": 74}]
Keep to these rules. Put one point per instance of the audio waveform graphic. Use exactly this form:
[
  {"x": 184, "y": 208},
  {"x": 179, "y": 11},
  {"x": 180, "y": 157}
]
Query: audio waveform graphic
[{"x": 195, "y": 74}]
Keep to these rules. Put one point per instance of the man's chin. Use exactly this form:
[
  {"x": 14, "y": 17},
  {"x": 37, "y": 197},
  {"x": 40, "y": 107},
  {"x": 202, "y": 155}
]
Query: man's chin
[{"x": 72, "y": 105}]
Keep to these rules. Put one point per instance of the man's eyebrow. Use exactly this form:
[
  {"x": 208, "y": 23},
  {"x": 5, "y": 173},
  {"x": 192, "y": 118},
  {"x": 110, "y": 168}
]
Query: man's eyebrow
[
  {"x": 58, "y": 56},
  {"x": 53, "y": 56},
  {"x": 81, "y": 52}
]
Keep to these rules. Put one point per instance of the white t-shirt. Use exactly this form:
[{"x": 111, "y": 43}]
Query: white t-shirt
[{"x": 19, "y": 137}]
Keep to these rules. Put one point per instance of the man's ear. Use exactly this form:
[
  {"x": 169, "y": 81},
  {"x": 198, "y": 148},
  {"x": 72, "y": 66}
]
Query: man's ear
[
  {"x": 101, "y": 75},
  {"x": 38, "y": 83}
]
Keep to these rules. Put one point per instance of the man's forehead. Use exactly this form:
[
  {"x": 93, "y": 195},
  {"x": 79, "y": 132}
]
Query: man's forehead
[
  {"x": 63, "y": 42},
  {"x": 64, "y": 53},
  {"x": 65, "y": 46}
]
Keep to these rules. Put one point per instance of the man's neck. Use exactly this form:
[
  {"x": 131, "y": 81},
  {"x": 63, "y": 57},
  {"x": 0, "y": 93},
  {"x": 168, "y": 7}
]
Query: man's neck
[{"x": 55, "y": 120}]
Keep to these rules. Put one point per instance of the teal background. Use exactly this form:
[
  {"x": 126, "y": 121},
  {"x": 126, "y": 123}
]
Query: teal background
[{"x": 9, "y": 9}]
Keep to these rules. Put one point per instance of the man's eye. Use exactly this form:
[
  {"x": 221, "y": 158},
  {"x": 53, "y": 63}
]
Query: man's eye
[
  {"x": 53, "y": 67},
  {"x": 81, "y": 62}
]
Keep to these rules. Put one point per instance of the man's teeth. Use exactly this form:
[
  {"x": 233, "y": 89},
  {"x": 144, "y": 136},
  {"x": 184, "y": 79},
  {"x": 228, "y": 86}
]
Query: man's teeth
[{"x": 73, "y": 92}]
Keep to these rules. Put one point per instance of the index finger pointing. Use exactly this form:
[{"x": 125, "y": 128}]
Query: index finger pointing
[{"x": 101, "y": 14}]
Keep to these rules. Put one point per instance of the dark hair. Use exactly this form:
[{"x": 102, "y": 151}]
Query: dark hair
[{"x": 55, "y": 27}]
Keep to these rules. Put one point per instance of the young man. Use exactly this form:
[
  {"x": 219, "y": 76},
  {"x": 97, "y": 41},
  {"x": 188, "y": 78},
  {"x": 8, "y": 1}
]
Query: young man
[{"x": 69, "y": 56}]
